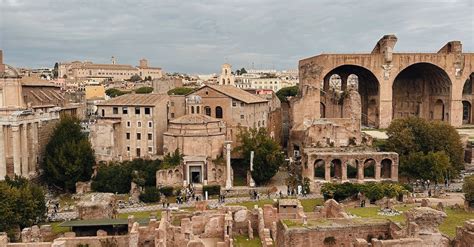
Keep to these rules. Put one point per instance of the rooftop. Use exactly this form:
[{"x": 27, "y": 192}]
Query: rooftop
[
  {"x": 237, "y": 93},
  {"x": 135, "y": 100}
]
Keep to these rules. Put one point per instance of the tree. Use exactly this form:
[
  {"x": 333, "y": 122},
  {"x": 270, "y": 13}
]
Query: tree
[
  {"x": 468, "y": 189},
  {"x": 114, "y": 92},
  {"x": 172, "y": 160},
  {"x": 241, "y": 71},
  {"x": 56, "y": 70},
  {"x": 286, "y": 92},
  {"x": 68, "y": 155},
  {"x": 135, "y": 78},
  {"x": 144, "y": 90},
  {"x": 22, "y": 204},
  {"x": 268, "y": 155},
  {"x": 427, "y": 149},
  {"x": 180, "y": 91}
]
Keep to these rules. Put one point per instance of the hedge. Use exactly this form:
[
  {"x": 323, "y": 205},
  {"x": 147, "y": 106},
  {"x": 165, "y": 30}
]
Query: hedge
[
  {"x": 373, "y": 191},
  {"x": 150, "y": 194},
  {"x": 212, "y": 189},
  {"x": 166, "y": 190}
]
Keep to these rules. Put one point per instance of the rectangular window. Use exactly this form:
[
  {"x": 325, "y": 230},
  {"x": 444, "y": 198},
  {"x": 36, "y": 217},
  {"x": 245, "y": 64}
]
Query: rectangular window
[
  {"x": 150, "y": 149},
  {"x": 124, "y": 110},
  {"x": 242, "y": 116},
  {"x": 115, "y": 110},
  {"x": 128, "y": 124},
  {"x": 138, "y": 152},
  {"x": 128, "y": 136},
  {"x": 128, "y": 148},
  {"x": 150, "y": 124},
  {"x": 139, "y": 136},
  {"x": 150, "y": 137},
  {"x": 139, "y": 124},
  {"x": 234, "y": 104},
  {"x": 137, "y": 110},
  {"x": 147, "y": 111},
  {"x": 172, "y": 115}
]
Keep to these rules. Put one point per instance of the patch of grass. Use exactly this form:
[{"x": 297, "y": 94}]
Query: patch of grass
[
  {"x": 56, "y": 228},
  {"x": 456, "y": 217},
  {"x": 250, "y": 205},
  {"x": 244, "y": 241},
  {"x": 140, "y": 215},
  {"x": 309, "y": 204},
  {"x": 371, "y": 212}
]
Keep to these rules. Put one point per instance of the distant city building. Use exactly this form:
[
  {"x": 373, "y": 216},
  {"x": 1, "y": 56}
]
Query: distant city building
[
  {"x": 226, "y": 77},
  {"x": 115, "y": 72}
]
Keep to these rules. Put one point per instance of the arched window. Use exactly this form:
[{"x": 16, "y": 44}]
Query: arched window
[
  {"x": 228, "y": 81},
  {"x": 218, "y": 112},
  {"x": 207, "y": 109},
  {"x": 223, "y": 81},
  {"x": 192, "y": 109},
  {"x": 197, "y": 109}
]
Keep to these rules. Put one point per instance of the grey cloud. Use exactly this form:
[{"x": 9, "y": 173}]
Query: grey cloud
[{"x": 197, "y": 36}]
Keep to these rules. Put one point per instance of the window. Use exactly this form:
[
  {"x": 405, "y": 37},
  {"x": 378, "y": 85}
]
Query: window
[
  {"x": 207, "y": 110},
  {"x": 139, "y": 136},
  {"x": 124, "y": 110},
  {"x": 115, "y": 110},
  {"x": 242, "y": 116},
  {"x": 138, "y": 152},
  {"x": 234, "y": 104},
  {"x": 147, "y": 111},
  {"x": 150, "y": 124},
  {"x": 172, "y": 115},
  {"x": 128, "y": 124},
  {"x": 172, "y": 103},
  {"x": 128, "y": 136},
  {"x": 218, "y": 112},
  {"x": 197, "y": 109},
  {"x": 241, "y": 104},
  {"x": 128, "y": 148},
  {"x": 150, "y": 137},
  {"x": 192, "y": 109},
  {"x": 137, "y": 110},
  {"x": 139, "y": 124},
  {"x": 150, "y": 150},
  {"x": 103, "y": 113}
]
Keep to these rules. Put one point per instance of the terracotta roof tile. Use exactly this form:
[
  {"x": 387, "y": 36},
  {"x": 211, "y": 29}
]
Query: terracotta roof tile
[
  {"x": 238, "y": 94},
  {"x": 135, "y": 99}
]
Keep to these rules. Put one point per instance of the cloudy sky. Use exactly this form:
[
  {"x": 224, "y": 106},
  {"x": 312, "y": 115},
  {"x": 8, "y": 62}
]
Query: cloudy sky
[{"x": 196, "y": 36}]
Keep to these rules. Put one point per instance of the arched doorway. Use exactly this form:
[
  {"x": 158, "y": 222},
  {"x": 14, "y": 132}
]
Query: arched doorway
[
  {"x": 467, "y": 99},
  {"x": 369, "y": 168},
  {"x": 336, "y": 169},
  {"x": 386, "y": 168},
  {"x": 422, "y": 90},
  {"x": 319, "y": 169},
  {"x": 466, "y": 112},
  {"x": 361, "y": 79}
]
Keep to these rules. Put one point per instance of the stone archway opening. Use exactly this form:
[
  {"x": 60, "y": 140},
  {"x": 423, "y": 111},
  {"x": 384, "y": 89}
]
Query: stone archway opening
[
  {"x": 360, "y": 79},
  {"x": 336, "y": 169},
  {"x": 319, "y": 169},
  {"x": 422, "y": 90},
  {"x": 386, "y": 168},
  {"x": 322, "y": 110},
  {"x": 351, "y": 169},
  {"x": 467, "y": 100},
  {"x": 369, "y": 168}
]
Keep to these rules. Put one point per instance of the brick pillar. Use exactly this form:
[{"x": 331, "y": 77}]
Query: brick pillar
[
  {"x": 360, "y": 171},
  {"x": 34, "y": 147},
  {"x": 377, "y": 170},
  {"x": 16, "y": 150},
  {"x": 327, "y": 170},
  {"x": 3, "y": 164},
  {"x": 394, "y": 171},
  {"x": 24, "y": 150},
  {"x": 344, "y": 170}
]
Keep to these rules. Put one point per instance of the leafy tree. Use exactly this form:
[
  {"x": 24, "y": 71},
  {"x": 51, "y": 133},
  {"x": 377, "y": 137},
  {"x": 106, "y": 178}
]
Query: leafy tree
[
  {"x": 114, "y": 92},
  {"x": 22, "y": 204},
  {"x": 56, "y": 70},
  {"x": 68, "y": 155},
  {"x": 144, "y": 90},
  {"x": 468, "y": 189},
  {"x": 286, "y": 92},
  {"x": 172, "y": 160},
  {"x": 180, "y": 91},
  {"x": 241, "y": 71},
  {"x": 135, "y": 78},
  {"x": 427, "y": 149},
  {"x": 268, "y": 155},
  {"x": 150, "y": 194}
]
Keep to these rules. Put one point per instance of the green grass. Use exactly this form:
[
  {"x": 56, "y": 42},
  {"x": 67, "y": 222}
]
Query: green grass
[
  {"x": 309, "y": 204},
  {"x": 448, "y": 227},
  {"x": 250, "y": 205},
  {"x": 244, "y": 241},
  {"x": 139, "y": 215}
]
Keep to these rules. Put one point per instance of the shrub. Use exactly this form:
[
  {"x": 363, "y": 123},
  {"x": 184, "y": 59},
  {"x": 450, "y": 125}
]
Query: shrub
[
  {"x": 468, "y": 188},
  {"x": 167, "y": 190},
  {"x": 212, "y": 189},
  {"x": 180, "y": 91},
  {"x": 373, "y": 191},
  {"x": 150, "y": 194},
  {"x": 144, "y": 90}
]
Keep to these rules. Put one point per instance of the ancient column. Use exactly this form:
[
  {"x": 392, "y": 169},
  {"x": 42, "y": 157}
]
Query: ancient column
[
  {"x": 251, "y": 182},
  {"x": 327, "y": 170},
  {"x": 228, "y": 181},
  {"x": 3, "y": 164},
  {"x": 360, "y": 172},
  {"x": 24, "y": 150},
  {"x": 377, "y": 170},
  {"x": 34, "y": 147},
  {"x": 16, "y": 150},
  {"x": 344, "y": 171}
]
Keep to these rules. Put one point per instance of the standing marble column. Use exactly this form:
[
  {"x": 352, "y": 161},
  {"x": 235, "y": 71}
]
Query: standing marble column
[
  {"x": 34, "y": 146},
  {"x": 228, "y": 181},
  {"x": 252, "y": 182},
  {"x": 24, "y": 150},
  {"x": 16, "y": 150},
  {"x": 327, "y": 170},
  {"x": 3, "y": 163}
]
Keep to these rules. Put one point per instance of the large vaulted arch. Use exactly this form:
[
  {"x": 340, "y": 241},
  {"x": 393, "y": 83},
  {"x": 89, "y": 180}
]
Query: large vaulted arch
[
  {"x": 422, "y": 90},
  {"x": 362, "y": 80}
]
